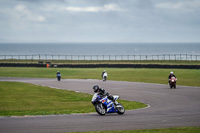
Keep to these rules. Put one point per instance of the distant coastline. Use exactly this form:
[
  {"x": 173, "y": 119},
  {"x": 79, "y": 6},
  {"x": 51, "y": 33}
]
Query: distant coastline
[{"x": 99, "y": 48}]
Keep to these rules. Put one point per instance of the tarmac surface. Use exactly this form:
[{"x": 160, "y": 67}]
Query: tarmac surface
[{"x": 166, "y": 108}]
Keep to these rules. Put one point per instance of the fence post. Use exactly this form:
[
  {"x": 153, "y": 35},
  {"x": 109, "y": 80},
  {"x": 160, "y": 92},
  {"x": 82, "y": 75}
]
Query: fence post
[
  {"x": 175, "y": 57},
  {"x": 186, "y": 57},
  {"x": 180, "y": 57},
  {"x": 196, "y": 57}
]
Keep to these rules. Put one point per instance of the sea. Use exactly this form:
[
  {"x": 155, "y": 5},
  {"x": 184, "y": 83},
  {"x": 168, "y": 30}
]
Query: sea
[{"x": 99, "y": 48}]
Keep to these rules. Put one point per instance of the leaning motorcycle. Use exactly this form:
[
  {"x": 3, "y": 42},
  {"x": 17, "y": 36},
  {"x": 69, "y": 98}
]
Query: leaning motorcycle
[
  {"x": 172, "y": 82},
  {"x": 104, "y": 105}
]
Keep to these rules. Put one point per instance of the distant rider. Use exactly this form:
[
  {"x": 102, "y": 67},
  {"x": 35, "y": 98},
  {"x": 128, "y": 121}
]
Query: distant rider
[
  {"x": 58, "y": 75},
  {"x": 103, "y": 93},
  {"x": 171, "y": 75},
  {"x": 104, "y": 75}
]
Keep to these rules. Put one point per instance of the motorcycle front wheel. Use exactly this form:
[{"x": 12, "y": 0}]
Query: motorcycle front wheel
[
  {"x": 121, "y": 109},
  {"x": 100, "y": 109}
]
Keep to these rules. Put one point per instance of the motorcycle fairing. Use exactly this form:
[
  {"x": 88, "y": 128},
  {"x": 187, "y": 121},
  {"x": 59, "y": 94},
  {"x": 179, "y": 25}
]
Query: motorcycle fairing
[
  {"x": 106, "y": 102},
  {"x": 109, "y": 104}
]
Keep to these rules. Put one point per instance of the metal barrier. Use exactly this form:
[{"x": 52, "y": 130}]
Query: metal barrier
[{"x": 175, "y": 57}]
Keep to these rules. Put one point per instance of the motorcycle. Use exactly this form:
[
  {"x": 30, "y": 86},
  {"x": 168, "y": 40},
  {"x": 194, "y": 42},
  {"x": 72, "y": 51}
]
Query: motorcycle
[
  {"x": 59, "y": 78},
  {"x": 104, "y": 105},
  {"x": 104, "y": 78},
  {"x": 172, "y": 82}
]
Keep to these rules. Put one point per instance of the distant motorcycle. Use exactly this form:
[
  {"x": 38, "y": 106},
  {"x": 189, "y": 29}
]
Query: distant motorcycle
[
  {"x": 104, "y": 78},
  {"x": 59, "y": 78},
  {"x": 103, "y": 105},
  {"x": 104, "y": 75},
  {"x": 172, "y": 82}
]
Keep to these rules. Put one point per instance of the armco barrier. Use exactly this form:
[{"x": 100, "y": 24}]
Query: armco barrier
[
  {"x": 102, "y": 65},
  {"x": 21, "y": 65}
]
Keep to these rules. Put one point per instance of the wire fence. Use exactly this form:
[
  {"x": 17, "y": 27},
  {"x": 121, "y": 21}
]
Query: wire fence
[{"x": 175, "y": 57}]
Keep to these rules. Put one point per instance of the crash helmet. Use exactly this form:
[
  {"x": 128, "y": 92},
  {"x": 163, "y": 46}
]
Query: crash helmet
[
  {"x": 171, "y": 73},
  {"x": 95, "y": 88}
]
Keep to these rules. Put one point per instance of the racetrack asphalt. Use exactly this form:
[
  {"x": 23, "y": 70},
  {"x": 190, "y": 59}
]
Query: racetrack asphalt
[{"x": 167, "y": 108}]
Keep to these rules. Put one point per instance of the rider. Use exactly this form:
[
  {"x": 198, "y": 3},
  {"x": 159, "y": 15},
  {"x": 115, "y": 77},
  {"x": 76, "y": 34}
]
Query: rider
[
  {"x": 171, "y": 75},
  {"x": 58, "y": 74},
  {"x": 102, "y": 93},
  {"x": 104, "y": 75}
]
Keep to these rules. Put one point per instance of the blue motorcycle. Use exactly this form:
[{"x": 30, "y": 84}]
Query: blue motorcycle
[{"x": 104, "y": 105}]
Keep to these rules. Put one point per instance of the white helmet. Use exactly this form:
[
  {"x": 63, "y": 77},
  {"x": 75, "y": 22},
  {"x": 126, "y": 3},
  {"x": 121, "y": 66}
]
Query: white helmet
[{"x": 171, "y": 72}]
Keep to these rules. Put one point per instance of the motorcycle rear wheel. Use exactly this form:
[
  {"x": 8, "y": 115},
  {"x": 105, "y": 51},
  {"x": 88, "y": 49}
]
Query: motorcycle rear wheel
[
  {"x": 121, "y": 109},
  {"x": 100, "y": 109}
]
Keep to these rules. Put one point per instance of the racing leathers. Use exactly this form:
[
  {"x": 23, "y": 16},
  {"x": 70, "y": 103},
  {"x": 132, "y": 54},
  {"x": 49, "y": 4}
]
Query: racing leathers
[
  {"x": 103, "y": 93},
  {"x": 169, "y": 78}
]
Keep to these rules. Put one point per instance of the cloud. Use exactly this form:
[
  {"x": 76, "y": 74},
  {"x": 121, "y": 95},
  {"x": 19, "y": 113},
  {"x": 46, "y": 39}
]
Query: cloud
[
  {"x": 181, "y": 5},
  {"x": 23, "y": 13},
  {"x": 99, "y": 20},
  {"x": 105, "y": 8}
]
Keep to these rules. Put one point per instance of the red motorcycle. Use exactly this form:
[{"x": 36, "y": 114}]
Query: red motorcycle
[{"x": 172, "y": 82}]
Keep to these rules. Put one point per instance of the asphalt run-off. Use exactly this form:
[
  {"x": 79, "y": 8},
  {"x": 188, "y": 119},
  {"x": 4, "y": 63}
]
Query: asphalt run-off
[{"x": 167, "y": 108}]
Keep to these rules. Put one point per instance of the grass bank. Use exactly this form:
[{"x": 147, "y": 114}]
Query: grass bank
[
  {"x": 18, "y": 99},
  {"x": 167, "y": 130},
  {"x": 188, "y": 77}
]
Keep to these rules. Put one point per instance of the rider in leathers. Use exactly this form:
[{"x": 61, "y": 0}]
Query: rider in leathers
[
  {"x": 171, "y": 75},
  {"x": 102, "y": 93}
]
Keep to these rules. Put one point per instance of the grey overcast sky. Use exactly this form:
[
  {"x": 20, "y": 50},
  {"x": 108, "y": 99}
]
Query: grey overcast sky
[{"x": 99, "y": 21}]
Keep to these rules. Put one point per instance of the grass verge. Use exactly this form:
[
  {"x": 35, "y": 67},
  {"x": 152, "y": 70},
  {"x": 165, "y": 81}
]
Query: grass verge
[
  {"x": 19, "y": 99},
  {"x": 188, "y": 77},
  {"x": 167, "y": 130}
]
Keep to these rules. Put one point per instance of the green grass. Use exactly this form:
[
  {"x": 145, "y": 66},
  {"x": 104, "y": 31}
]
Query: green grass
[
  {"x": 188, "y": 77},
  {"x": 20, "y": 99},
  {"x": 167, "y": 130}
]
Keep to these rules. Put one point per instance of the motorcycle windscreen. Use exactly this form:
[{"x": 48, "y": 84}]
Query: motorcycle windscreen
[{"x": 94, "y": 97}]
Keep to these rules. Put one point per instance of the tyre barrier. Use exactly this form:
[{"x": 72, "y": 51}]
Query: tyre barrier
[{"x": 101, "y": 65}]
